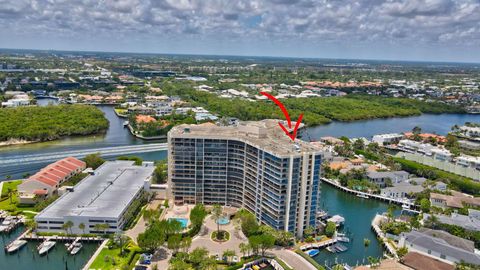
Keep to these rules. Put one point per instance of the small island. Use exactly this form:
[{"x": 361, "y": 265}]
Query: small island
[{"x": 37, "y": 124}]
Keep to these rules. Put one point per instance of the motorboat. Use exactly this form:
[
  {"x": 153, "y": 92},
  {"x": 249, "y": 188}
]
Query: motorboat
[
  {"x": 313, "y": 252},
  {"x": 76, "y": 248},
  {"x": 44, "y": 247},
  {"x": 362, "y": 195},
  {"x": 16, "y": 245}
]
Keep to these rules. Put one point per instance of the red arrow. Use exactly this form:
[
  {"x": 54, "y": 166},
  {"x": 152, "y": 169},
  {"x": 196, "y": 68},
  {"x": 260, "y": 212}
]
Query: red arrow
[{"x": 292, "y": 135}]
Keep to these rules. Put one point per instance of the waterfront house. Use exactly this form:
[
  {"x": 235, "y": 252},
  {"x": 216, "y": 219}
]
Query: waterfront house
[
  {"x": 46, "y": 182},
  {"x": 382, "y": 178},
  {"x": 470, "y": 222},
  {"x": 456, "y": 200},
  {"x": 441, "y": 245},
  {"x": 383, "y": 139}
]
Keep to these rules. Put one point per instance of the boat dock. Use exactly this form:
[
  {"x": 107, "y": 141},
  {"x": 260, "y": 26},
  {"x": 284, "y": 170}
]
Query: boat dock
[
  {"x": 319, "y": 245},
  {"x": 376, "y": 227},
  {"x": 368, "y": 195},
  {"x": 10, "y": 223}
]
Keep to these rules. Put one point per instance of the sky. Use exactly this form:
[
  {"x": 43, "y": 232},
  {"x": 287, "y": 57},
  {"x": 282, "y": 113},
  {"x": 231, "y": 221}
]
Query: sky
[{"x": 422, "y": 30}]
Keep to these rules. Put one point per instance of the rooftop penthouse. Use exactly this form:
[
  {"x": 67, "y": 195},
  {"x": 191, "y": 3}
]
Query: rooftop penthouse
[
  {"x": 103, "y": 197},
  {"x": 265, "y": 135}
]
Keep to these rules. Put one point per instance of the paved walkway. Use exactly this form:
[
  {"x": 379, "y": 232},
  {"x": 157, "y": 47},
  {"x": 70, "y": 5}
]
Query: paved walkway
[
  {"x": 203, "y": 238},
  {"x": 94, "y": 256},
  {"x": 141, "y": 224},
  {"x": 293, "y": 259}
]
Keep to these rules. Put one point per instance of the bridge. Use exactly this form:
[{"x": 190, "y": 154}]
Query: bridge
[{"x": 104, "y": 151}]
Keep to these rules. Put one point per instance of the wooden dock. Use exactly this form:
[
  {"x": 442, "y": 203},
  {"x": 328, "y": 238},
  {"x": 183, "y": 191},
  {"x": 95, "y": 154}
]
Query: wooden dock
[
  {"x": 376, "y": 228},
  {"x": 369, "y": 195},
  {"x": 319, "y": 245}
]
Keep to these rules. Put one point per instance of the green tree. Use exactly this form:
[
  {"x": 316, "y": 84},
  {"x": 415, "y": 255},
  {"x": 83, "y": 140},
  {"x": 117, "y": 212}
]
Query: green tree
[
  {"x": 330, "y": 229},
  {"x": 198, "y": 257},
  {"x": 161, "y": 172},
  {"x": 228, "y": 254},
  {"x": 425, "y": 205},
  {"x": 185, "y": 244},
  {"x": 174, "y": 242},
  {"x": 401, "y": 252},
  {"x": 67, "y": 226},
  {"x": 217, "y": 213},
  {"x": 197, "y": 215},
  {"x": 244, "y": 249},
  {"x": 93, "y": 160},
  {"x": 81, "y": 226},
  {"x": 177, "y": 264}
]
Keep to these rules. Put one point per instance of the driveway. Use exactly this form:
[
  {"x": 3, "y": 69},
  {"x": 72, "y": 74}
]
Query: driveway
[
  {"x": 203, "y": 238},
  {"x": 293, "y": 259}
]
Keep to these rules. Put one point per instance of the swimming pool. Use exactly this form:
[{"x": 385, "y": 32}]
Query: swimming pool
[
  {"x": 182, "y": 221},
  {"x": 223, "y": 221}
]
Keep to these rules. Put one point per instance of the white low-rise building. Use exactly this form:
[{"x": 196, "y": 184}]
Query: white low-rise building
[
  {"x": 383, "y": 139},
  {"x": 102, "y": 198}
]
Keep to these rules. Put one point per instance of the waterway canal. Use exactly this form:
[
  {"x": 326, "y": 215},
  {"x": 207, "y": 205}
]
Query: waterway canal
[{"x": 358, "y": 214}]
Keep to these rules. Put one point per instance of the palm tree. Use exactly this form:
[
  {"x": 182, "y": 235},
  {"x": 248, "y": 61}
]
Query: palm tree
[
  {"x": 81, "y": 226},
  {"x": 31, "y": 224},
  {"x": 98, "y": 227},
  {"x": 10, "y": 193},
  {"x": 229, "y": 254},
  {"x": 217, "y": 213},
  {"x": 68, "y": 226},
  {"x": 244, "y": 249}
]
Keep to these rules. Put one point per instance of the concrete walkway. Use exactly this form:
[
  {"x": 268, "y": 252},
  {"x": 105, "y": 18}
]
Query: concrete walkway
[
  {"x": 203, "y": 239},
  {"x": 95, "y": 255},
  {"x": 292, "y": 259},
  {"x": 141, "y": 224}
]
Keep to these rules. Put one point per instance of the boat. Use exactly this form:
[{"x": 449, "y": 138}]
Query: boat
[
  {"x": 5, "y": 225},
  {"x": 45, "y": 246},
  {"x": 313, "y": 252},
  {"x": 76, "y": 248},
  {"x": 337, "y": 248},
  {"x": 337, "y": 219},
  {"x": 343, "y": 239},
  {"x": 16, "y": 245},
  {"x": 362, "y": 195},
  {"x": 125, "y": 124}
]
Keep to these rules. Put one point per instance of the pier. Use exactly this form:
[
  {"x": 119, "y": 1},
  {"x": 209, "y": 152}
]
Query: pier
[
  {"x": 319, "y": 245},
  {"x": 368, "y": 195},
  {"x": 376, "y": 228}
]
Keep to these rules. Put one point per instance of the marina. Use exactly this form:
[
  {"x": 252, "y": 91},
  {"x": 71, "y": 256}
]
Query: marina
[
  {"x": 26, "y": 256},
  {"x": 358, "y": 214}
]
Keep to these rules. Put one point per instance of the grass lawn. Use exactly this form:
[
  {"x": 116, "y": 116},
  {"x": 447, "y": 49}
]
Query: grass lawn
[
  {"x": 12, "y": 206},
  {"x": 110, "y": 258},
  {"x": 10, "y": 184}
]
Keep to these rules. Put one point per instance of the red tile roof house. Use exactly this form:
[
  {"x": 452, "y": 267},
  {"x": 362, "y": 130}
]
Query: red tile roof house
[{"x": 46, "y": 182}]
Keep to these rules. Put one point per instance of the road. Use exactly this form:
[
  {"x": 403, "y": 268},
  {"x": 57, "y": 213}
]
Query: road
[
  {"x": 104, "y": 151},
  {"x": 294, "y": 260}
]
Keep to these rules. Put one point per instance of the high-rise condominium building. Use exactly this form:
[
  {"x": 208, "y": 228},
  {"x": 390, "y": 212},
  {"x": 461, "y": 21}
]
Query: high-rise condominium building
[{"x": 251, "y": 165}]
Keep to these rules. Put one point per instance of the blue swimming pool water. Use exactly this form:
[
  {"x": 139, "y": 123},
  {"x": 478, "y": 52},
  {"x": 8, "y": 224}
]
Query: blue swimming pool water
[
  {"x": 223, "y": 221},
  {"x": 183, "y": 221}
]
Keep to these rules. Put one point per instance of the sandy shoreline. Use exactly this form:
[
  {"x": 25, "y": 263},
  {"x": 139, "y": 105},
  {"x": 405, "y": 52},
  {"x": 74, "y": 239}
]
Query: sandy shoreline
[{"x": 15, "y": 142}]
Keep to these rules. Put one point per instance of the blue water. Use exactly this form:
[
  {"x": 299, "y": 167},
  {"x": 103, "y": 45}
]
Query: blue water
[
  {"x": 358, "y": 214},
  {"x": 223, "y": 221},
  {"x": 183, "y": 221},
  {"x": 432, "y": 123}
]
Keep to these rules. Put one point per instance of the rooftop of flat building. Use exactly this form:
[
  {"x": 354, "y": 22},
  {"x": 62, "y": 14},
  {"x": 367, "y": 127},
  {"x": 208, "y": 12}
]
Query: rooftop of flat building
[
  {"x": 106, "y": 193},
  {"x": 265, "y": 134}
]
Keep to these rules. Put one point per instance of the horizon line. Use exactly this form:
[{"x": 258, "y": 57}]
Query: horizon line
[{"x": 241, "y": 55}]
